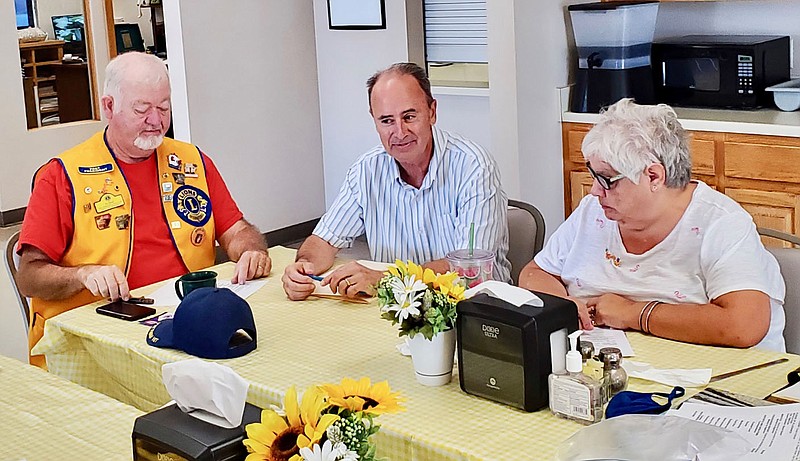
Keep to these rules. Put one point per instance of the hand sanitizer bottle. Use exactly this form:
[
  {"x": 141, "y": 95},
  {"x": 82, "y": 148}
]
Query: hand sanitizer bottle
[{"x": 574, "y": 395}]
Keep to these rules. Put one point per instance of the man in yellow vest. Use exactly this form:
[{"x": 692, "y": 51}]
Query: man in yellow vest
[{"x": 128, "y": 207}]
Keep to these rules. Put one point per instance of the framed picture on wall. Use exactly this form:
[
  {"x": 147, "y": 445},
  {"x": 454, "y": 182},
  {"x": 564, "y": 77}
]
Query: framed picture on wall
[{"x": 356, "y": 14}]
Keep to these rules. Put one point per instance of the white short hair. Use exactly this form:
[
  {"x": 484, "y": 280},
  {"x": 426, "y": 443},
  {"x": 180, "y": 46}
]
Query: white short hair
[
  {"x": 146, "y": 67},
  {"x": 630, "y": 137}
]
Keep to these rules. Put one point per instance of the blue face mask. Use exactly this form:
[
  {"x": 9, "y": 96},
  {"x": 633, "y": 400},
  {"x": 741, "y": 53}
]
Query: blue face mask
[{"x": 628, "y": 402}]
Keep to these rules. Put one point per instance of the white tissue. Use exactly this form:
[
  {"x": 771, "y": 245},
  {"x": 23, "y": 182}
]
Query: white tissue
[
  {"x": 509, "y": 293},
  {"x": 208, "y": 391},
  {"x": 683, "y": 377}
]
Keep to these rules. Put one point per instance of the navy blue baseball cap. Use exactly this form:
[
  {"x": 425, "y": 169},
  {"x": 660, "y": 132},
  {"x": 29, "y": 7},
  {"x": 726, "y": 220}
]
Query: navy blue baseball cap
[{"x": 212, "y": 323}]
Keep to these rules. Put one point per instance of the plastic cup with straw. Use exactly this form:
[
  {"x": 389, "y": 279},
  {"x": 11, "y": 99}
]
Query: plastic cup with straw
[{"x": 471, "y": 246}]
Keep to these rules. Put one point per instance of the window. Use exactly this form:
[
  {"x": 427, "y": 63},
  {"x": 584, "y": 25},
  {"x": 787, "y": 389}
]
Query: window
[
  {"x": 24, "y": 10},
  {"x": 456, "y": 42}
]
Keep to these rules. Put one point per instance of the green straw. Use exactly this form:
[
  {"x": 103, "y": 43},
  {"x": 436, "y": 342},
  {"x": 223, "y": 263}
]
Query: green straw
[{"x": 471, "y": 246}]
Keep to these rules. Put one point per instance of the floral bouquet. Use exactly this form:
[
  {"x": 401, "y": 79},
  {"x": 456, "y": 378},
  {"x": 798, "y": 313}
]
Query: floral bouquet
[
  {"x": 421, "y": 301},
  {"x": 332, "y": 422}
]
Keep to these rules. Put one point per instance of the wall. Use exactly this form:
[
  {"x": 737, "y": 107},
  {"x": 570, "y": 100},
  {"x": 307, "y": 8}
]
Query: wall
[
  {"x": 345, "y": 59},
  {"x": 464, "y": 111},
  {"x": 527, "y": 61},
  {"x": 23, "y": 150},
  {"x": 247, "y": 95}
]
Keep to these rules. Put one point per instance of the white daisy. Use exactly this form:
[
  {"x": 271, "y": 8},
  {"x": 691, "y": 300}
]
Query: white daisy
[
  {"x": 325, "y": 453},
  {"x": 407, "y": 294}
]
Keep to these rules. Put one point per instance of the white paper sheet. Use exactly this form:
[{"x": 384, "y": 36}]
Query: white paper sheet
[
  {"x": 684, "y": 377},
  {"x": 608, "y": 337},
  {"x": 773, "y": 431},
  {"x": 166, "y": 296}
]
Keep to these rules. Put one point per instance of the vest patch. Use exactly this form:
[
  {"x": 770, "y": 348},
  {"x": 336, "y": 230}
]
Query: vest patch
[
  {"x": 192, "y": 205},
  {"x": 108, "y": 202},
  {"x": 97, "y": 169},
  {"x": 198, "y": 235}
]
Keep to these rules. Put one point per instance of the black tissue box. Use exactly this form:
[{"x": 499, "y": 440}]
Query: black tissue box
[
  {"x": 506, "y": 353},
  {"x": 170, "y": 434}
]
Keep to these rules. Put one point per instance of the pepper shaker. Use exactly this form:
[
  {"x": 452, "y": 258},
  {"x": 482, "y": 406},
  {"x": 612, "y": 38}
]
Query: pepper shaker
[{"x": 615, "y": 379}]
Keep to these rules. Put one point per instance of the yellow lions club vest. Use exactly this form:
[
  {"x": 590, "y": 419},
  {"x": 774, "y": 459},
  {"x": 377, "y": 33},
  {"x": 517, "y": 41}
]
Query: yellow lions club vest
[{"x": 103, "y": 216}]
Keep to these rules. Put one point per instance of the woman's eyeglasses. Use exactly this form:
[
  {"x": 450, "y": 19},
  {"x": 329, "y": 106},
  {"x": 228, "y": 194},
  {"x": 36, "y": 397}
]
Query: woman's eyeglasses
[{"x": 604, "y": 181}]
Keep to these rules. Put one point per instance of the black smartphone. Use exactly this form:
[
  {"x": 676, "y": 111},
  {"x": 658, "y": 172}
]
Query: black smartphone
[{"x": 125, "y": 310}]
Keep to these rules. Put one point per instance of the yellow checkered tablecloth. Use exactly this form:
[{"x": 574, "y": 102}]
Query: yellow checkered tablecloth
[
  {"x": 44, "y": 417},
  {"x": 320, "y": 340}
]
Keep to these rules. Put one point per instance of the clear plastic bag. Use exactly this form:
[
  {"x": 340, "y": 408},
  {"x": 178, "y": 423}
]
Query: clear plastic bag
[{"x": 652, "y": 438}]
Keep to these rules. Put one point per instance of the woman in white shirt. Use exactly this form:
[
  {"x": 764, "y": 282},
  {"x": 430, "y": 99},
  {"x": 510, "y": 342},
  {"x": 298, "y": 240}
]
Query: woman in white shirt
[{"x": 654, "y": 251}]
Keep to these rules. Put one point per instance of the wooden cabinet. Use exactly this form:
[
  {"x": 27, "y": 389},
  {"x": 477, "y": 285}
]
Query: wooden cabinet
[
  {"x": 760, "y": 172},
  {"x": 39, "y": 60}
]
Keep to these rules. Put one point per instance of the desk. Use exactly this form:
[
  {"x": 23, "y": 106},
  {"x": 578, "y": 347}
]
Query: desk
[
  {"x": 45, "y": 417},
  {"x": 321, "y": 340}
]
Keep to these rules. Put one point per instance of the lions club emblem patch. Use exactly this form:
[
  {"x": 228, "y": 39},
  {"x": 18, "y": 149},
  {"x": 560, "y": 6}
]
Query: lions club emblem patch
[{"x": 192, "y": 205}]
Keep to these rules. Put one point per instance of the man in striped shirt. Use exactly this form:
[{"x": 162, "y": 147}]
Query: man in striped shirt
[{"x": 414, "y": 196}]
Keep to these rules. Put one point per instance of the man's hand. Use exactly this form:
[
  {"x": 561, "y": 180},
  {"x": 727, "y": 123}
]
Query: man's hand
[
  {"x": 296, "y": 282},
  {"x": 252, "y": 264},
  {"x": 351, "y": 279},
  {"x": 105, "y": 281}
]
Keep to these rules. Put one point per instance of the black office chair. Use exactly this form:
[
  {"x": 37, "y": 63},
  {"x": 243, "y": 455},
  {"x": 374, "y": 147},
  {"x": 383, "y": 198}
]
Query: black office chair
[
  {"x": 525, "y": 235},
  {"x": 12, "y": 263}
]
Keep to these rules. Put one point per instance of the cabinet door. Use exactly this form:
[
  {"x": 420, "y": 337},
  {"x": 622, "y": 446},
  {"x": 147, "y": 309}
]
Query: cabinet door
[
  {"x": 770, "y": 209},
  {"x": 580, "y": 186},
  {"x": 763, "y": 158},
  {"x": 702, "y": 145}
]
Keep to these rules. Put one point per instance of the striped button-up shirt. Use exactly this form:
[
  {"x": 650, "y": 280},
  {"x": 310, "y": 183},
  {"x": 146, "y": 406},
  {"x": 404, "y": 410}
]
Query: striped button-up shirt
[{"x": 462, "y": 186}]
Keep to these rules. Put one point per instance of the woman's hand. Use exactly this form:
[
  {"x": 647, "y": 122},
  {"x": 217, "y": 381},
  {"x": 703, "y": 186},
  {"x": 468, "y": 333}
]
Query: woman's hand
[
  {"x": 613, "y": 311},
  {"x": 584, "y": 319}
]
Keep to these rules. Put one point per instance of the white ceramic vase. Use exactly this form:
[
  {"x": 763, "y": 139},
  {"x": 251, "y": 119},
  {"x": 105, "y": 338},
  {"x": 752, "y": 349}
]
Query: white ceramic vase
[{"x": 433, "y": 359}]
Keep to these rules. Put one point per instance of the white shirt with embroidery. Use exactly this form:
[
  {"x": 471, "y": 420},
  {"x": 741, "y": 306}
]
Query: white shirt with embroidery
[{"x": 713, "y": 250}]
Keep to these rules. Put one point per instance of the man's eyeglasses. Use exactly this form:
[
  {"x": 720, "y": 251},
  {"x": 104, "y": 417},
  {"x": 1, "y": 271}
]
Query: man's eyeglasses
[{"x": 604, "y": 181}]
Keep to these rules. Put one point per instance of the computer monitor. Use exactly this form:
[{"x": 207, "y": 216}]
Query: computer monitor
[
  {"x": 129, "y": 38},
  {"x": 70, "y": 28}
]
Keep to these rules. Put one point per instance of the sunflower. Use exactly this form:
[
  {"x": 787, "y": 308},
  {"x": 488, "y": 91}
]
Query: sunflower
[
  {"x": 280, "y": 438},
  {"x": 362, "y": 396}
]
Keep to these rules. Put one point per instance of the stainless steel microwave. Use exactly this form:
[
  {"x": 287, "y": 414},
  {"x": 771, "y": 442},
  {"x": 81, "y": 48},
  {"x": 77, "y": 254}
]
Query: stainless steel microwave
[{"x": 722, "y": 71}]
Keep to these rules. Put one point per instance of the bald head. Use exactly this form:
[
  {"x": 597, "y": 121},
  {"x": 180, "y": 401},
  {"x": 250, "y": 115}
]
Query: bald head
[{"x": 133, "y": 68}]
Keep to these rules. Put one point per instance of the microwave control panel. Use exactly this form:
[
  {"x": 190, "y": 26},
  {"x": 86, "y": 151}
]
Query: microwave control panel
[{"x": 745, "y": 74}]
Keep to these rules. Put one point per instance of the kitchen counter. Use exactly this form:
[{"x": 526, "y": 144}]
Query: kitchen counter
[{"x": 762, "y": 121}]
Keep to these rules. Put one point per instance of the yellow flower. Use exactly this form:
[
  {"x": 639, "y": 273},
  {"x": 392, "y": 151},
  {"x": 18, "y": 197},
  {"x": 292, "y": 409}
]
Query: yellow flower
[
  {"x": 413, "y": 269},
  {"x": 398, "y": 269},
  {"x": 361, "y": 395},
  {"x": 429, "y": 277},
  {"x": 280, "y": 438},
  {"x": 445, "y": 279}
]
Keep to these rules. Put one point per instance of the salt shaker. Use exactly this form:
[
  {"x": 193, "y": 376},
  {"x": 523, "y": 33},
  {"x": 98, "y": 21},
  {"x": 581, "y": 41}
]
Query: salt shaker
[
  {"x": 615, "y": 379},
  {"x": 587, "y": 350}
]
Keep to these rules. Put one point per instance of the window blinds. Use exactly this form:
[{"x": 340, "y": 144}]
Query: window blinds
[{"x": 455, "y": 31}]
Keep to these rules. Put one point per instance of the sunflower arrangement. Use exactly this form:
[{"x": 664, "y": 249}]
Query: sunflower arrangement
[
  {"x": 421, "y": 301},
  {"x": 332, "y": 422}
]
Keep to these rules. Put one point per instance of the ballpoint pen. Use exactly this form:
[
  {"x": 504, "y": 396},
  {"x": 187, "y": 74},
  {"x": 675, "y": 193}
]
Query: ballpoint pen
[
  {"x": 315, "y": 277},
  {"x": 141, "y": 300}
]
